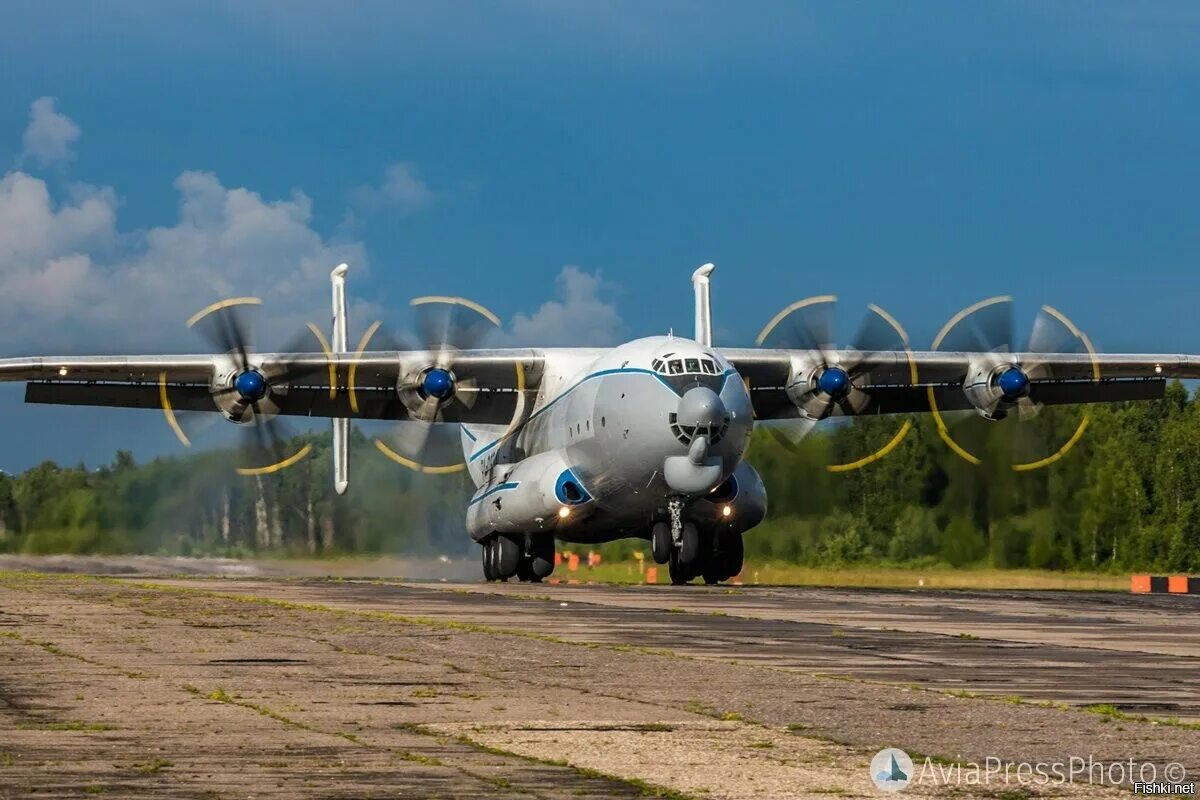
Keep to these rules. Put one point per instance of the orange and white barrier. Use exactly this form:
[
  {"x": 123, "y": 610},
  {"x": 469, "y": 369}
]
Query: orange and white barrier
[{"x": 1160, "y": 584}]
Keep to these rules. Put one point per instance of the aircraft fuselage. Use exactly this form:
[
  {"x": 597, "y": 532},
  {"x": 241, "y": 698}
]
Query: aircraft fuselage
[{"x": 614, "y": 436}]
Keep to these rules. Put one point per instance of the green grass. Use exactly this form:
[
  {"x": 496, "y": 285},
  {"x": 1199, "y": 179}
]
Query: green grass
[
  {"x": 76, "y": 725},
  {"x": 937, "y": 577},
  {"x": 157, "y": 765}
]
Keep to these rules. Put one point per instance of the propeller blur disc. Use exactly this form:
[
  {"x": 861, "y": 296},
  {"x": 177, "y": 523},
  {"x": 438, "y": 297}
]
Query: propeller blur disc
[
  {"x": 246, "y": 391},
  {"x": 838, "y": 387},
  {"x": 987, "y": 327},
  {"x": 445, "y": 326}
]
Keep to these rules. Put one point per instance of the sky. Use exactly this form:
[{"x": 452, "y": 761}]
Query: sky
[{"x": 568, "y": 165}]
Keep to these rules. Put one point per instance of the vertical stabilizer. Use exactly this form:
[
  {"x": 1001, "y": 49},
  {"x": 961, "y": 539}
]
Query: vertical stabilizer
[
  {"x": 341, "y": 426},
  {"x": 700, "y": 279}
]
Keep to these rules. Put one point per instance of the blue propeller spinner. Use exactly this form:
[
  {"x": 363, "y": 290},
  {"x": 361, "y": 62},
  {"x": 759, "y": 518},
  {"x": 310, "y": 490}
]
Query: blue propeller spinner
[
  {"x": 251, "y": 385},
  {"x": 438, "y": 383},
  {"x": 1013, "y": 382},
  {"x": 834, "y": 381}
]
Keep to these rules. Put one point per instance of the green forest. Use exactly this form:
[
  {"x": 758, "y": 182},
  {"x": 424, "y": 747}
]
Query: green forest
[{"x": 1125, "y": 497}]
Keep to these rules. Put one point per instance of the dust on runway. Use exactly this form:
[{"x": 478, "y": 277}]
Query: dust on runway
[{"x": 314, "y": 688}]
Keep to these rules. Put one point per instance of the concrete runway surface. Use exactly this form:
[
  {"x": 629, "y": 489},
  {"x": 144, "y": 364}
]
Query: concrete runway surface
[{"x": 268, "y": 687}]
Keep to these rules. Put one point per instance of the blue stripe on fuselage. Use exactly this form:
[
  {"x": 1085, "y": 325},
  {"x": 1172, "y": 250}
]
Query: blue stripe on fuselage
[
  {"x": 497, "y": 488},
  {"x": 600, "y": 374}
]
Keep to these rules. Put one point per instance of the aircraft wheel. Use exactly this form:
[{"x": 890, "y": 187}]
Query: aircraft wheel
[
  {"x": 507, "y": 557},
  {"x": 660, "y": 542},
  {"x": 486, "y": 555},
  {"x": 525, "y": 571},
  {"x": 689, "y": 547},
  {"x": 681, "y": 572},
  {"x": 709, "y": 563},
  {"x": 541, "y": 564},
  {"x": 731, "y": 553}
]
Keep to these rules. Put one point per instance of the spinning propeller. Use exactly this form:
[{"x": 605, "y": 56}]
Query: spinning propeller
[
  {"x": 828, "y": 382},
  {"x": 1004, "y": 380},
  {"x": 245, "y": 389},
  {"x": 439, "y": 390}
]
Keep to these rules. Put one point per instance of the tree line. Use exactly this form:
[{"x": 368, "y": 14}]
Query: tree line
[{"x": 1126, "y": 496}]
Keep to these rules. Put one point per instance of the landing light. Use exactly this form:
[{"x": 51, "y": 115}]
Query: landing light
[
  {"x": 727, "y": 511},
  {"x": 564, "y": 512}
]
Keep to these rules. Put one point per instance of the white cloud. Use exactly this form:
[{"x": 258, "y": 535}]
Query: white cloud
[
  {"x": 581, "y": 318},
  {"x": 49, "y": 137},
  {"x": 67, "y": 275},
  {"x": 402, "y": 189}
]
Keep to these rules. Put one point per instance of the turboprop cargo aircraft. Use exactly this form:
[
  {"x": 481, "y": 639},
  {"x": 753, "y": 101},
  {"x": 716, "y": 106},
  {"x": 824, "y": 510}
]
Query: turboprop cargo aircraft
[{"x": 589, "y": 445}]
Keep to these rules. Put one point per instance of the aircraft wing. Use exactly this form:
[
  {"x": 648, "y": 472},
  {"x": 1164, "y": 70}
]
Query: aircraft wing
[
  {"x": 301, "y": 384},
  {"x": 898, "y": 382}
]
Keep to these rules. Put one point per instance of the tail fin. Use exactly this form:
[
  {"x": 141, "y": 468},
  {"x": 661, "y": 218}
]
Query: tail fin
[{"x": 703, "y": 304}]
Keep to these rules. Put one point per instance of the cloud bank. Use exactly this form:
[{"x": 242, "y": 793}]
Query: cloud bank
[
  {"x": 71, "y": 280},
  {"x": 68, "y": 274}
]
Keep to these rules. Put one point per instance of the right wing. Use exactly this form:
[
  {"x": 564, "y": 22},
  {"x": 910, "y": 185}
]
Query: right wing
[{"x": 900, "y": 382}]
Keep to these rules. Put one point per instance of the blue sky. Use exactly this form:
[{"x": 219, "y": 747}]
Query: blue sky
[{"x": 917, "y": 156}]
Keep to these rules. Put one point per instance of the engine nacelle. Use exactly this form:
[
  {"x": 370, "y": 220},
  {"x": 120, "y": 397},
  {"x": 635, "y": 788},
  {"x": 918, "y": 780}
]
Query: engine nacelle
[
  {"x": 539, "y": 493},
  {"x": 812, "y": 384},
  {"x": 738, "y": 503},
  {"x": 995, "y": 388},
  {"x": 234, "y": 389}
]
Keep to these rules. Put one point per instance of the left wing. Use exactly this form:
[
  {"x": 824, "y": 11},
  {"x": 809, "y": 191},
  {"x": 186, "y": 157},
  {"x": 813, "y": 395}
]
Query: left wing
[{"x": 366, "y": 386}]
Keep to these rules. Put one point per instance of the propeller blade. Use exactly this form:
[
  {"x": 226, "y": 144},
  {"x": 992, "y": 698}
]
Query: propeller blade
[
  {"x": 228, "y": 326},
  {"x": 1027, "y": 409},
  {"x": 986, "y": 327},
  {"x": 268, "y": 445},
  {"x": 790, "y": 432}
]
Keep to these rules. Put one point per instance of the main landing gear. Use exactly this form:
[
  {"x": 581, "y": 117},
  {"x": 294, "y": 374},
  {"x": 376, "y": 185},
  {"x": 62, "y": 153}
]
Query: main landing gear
[
  {"x": 715, "y": 555},
  {"x": 528, "y": 557}
]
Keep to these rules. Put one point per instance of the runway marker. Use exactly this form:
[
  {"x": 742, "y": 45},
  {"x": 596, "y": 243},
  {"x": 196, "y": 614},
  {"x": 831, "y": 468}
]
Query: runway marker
[{"x": 1162, "y": 584}]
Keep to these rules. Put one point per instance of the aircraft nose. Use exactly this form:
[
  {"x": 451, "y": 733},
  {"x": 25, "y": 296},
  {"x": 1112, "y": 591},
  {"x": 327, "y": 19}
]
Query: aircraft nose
[{"x": 700, "y": 407}]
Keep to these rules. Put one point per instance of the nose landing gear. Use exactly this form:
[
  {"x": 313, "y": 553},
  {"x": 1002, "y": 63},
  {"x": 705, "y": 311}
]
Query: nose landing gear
[{"x": 716, "y": 555}]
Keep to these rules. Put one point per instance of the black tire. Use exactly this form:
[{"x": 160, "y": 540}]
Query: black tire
[
  {"x": 681, "y": 573},
  {"x": 660, "y": 543},
  {"x": 731, "y": 552},
  {"x": 689, "y": 546},
  {"x": 541, "y": 564},
  {"x": 507, "y": 558},
  {"x": 486, "y": 556},
  {"x": 525, "y": 571}
]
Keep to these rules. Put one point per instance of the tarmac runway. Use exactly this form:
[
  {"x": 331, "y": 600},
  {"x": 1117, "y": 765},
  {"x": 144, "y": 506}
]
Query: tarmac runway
[{"x": 266, "y": 687}]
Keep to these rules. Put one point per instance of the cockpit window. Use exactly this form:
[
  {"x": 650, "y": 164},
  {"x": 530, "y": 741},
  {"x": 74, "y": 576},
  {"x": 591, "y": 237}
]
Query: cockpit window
[{"x": 685, "y": 366}]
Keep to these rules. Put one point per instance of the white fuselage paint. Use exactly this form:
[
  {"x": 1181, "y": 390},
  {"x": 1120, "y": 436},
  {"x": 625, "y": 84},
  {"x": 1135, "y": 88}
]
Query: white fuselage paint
[{"x": 605, "y": 415}]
